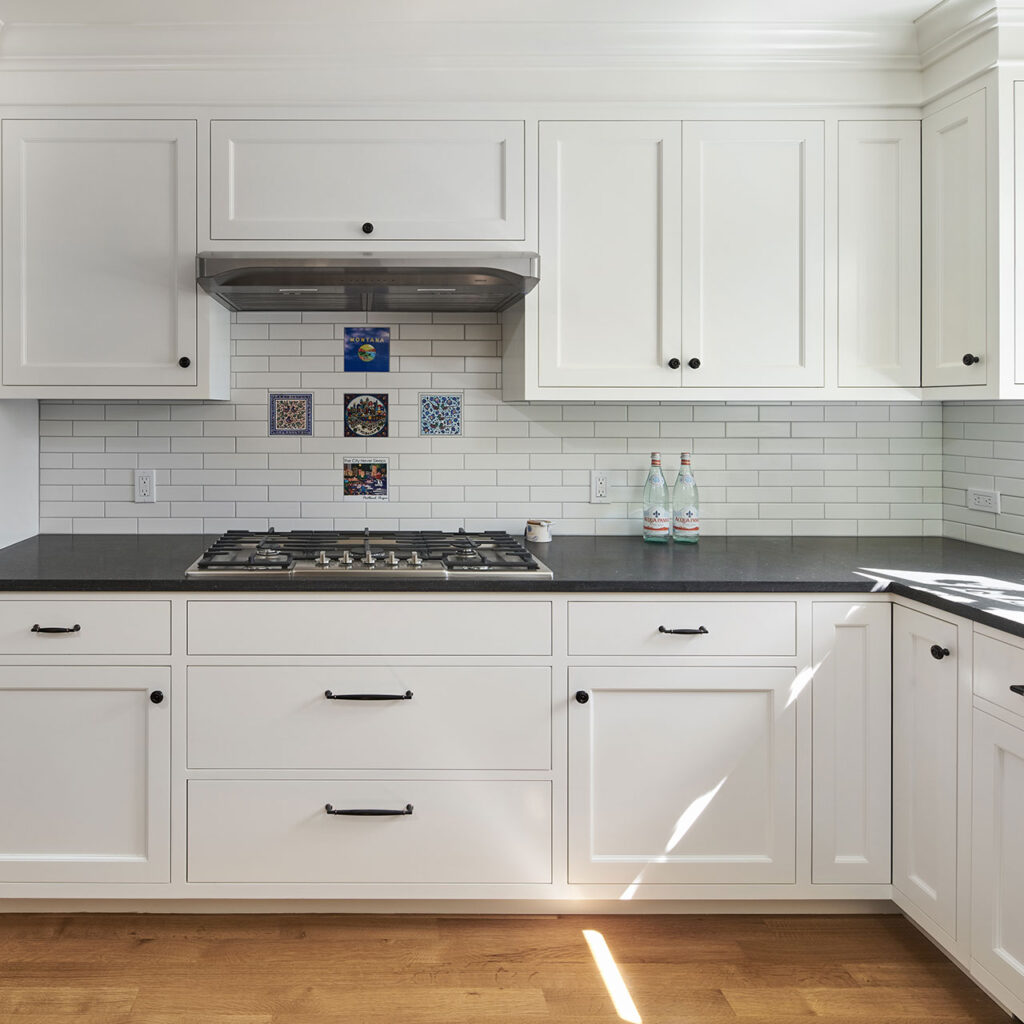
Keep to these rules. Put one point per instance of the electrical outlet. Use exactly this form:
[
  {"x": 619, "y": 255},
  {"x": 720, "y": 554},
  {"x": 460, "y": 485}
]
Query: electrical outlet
[
  {"x": 145, "y": 485},
  {"x": 983, "y": 501},
  {"x": 599, "y": 494}
]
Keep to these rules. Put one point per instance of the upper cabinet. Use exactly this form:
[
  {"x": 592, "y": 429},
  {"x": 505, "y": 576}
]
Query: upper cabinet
[
  {"x": 99, "y": 244},
  {"x": 955, "y": 250},
  {"x": 753, "y": 217},
  {"x": 879, "y": 254},
  {"x": 367, "y": 181}
]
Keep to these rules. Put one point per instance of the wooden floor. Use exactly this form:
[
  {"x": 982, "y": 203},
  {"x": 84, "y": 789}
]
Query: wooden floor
[{"x": 314, "y": 969}]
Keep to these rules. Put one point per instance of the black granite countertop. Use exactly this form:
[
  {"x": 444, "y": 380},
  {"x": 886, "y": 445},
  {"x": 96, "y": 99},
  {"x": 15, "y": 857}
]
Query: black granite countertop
[{"x": 981, "y": 583}]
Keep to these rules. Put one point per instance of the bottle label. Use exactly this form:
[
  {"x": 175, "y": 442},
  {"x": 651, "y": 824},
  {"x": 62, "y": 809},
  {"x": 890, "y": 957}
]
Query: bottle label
[
  {"x": 656, "y": 522},
  {"x": 687, "y": 520}
]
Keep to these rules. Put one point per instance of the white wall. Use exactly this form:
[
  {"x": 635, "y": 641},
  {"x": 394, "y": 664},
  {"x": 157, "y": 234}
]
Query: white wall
[{"x": 19, "y": 471}]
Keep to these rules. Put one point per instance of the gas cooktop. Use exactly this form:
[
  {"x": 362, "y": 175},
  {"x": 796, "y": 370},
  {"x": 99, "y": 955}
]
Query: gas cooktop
[{"x": 425, "y": 553}]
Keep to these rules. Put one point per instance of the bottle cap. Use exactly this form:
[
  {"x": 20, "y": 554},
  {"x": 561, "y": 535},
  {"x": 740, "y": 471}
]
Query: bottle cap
[
  {"x": 684, "y": 459},
  {"x": 655, "y": 458}
]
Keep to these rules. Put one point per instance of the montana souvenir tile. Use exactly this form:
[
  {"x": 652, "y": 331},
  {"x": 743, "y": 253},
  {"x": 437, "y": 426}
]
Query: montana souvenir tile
[
  {"x": 440, "y": 413},
  {"x": 291, "y": 414},
  {"x": 367, "y": 349}
]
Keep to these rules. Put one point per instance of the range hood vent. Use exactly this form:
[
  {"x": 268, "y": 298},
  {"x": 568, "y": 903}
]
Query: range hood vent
[{"x": 374, "y": 283}]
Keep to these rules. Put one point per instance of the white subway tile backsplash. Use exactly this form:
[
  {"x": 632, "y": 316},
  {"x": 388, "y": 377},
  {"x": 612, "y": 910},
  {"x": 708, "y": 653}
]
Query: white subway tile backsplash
[{"x": 773, "y": 468}]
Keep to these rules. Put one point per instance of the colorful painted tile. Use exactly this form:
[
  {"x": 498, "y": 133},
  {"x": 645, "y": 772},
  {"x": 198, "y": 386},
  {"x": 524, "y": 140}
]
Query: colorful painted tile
[
  {"x": 367, "y": 349},
  {"x": 440, "y": 413},
  {"x": 365, "y": 479},
  {"x": 291, "y": 414},
  {"x": 366, "y": 415}
]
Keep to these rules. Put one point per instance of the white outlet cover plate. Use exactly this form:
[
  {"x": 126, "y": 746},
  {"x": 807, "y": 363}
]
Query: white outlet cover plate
[{"x": 983, "y": 501}]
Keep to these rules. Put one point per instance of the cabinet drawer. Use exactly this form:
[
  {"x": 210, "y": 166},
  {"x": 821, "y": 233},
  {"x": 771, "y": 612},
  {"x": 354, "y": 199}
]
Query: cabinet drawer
[
  {"x": 457, "y": 717},
  {"x": 105, "y": 627},
  {"x": 458, "y": 832},
  {"x": 363, "y": 627},
  {"x": 632, "y": 627},
  {"x": 997, "y": 667}
]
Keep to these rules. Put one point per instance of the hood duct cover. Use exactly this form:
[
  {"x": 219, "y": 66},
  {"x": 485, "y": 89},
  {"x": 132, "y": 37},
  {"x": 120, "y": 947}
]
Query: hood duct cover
[{"x": 448, "y": 283}]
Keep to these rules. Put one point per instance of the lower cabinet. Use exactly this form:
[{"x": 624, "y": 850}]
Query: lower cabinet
[
  {"x": 931, "y": 689},
  {"x": 997, "y": 906},
  {"x": 84, "y": 774},
  {"x": 682, "y": 775}
]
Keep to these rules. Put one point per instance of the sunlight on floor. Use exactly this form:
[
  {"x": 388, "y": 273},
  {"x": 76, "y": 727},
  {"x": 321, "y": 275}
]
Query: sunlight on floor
[{"x": 621, "y": 999}]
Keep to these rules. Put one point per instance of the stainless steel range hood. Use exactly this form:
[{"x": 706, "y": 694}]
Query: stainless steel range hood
[{"x": 375, "y": 283}]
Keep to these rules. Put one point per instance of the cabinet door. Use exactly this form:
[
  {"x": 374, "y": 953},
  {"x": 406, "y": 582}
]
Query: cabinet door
[
  {"x": 852, "y": 741},
  {"x": 99, "y": 246},
  {"x": 84, "y": 774},
  {"x": 997, "y": 908},
  {"x": 681, "y": 775},
  {"x": 925, "y": 701},
  {"x": 609, "y": 244},
  {"x": 436, "y": 180},
  {"x": 879, "y": 253},
  {"x": 753, "y": 258},
  {"x": 954, "y": 244}
]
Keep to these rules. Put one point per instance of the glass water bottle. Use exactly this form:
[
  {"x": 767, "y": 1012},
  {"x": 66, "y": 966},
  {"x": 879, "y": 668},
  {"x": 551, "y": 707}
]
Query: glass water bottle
[
  {"x": 686, "y": 517},
  {"x": 657, "y": 510}
]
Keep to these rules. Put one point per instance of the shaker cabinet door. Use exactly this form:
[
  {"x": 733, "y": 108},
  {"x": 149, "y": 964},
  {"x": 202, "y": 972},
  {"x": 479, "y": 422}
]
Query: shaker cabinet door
[
  {"x": 753, "y": 254},
  {"x": 99, "y": 248},
  {"x": 609, "y": 245}
]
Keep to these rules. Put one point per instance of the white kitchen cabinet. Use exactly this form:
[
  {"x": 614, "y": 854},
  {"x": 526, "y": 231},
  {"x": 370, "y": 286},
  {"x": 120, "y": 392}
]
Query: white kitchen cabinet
[
  {"x": 929, "y": 655},
  {"x": 609, "y": 298},
  {"x": 753, "y": 254},
  {"x": 99, "y": 281},
  {"x": 85, "y": 770},
  {"x": 852, "y": 742},
  {"x": 956, "y": 340},
  {"x": 997, "y": 907},
  {"x": 367, "y": 181},
  {"x": 682, "y": 775},
  {"x": 879, "y": 254}
]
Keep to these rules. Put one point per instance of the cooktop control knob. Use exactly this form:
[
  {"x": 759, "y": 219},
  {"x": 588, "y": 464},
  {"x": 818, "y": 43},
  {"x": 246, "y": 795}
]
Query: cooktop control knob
[
  {"x": 414, "y": 559},
  {"x": 322, "y": 560},
  {"x": 346, "y": 557},
  {"x": 368, "y": 558},
  {"x": 392, "y": 559}
]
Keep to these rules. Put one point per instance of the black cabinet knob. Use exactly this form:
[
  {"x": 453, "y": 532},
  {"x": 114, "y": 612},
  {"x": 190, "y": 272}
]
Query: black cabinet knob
[
  {"x": 582, "y": 696},
  {"x": 367, "y": 228},
  {"x": 184, "y": 362},
  {"x": 938, "y": 653},
  {"x": 157, "y": 697},
  {"x": 694, "y": 363},
  {"x": 674, "y": 364},
  {"x": 970, "y": 360}
]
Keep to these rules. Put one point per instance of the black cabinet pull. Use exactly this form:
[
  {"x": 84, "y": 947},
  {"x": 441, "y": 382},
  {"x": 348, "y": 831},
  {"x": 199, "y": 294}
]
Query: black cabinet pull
[
  {"x": 938, "y": 653},
  {"x": 1019, "y": 690},
  {"x": 367, "y": 228},
  {"x": 694, "y": 363},
  {"x": 366, "y": 812},
  {"x": 184, "y": 362},
  {"x": 684, "y": 632},
  {"x": 76, "y": 628},
  {"x": 156, "y": 697},
  {"x": 368, "y": 696},
  {"x": 582, "y": 697},
  {"x": 674, "y": 364},
  {"x": 970, "y": 360}
]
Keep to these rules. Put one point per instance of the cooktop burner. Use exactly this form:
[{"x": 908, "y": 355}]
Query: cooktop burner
[{"x": 401, "y": 553}]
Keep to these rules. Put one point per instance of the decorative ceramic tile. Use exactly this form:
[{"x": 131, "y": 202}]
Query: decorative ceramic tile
[
  {"x": 366, "y": 415},
  {"x": 440, "y": 413},
  {"x": 291, "y": 415},
  {"x": 367, "y": 349},
  {"x": 365, "y": 479}
]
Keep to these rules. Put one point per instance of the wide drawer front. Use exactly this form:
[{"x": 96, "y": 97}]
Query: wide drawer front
[
  {"x": 395, "y": 628},
  {"x": 997, "y": 667},
  {"x": 453, "y": 717},
  {"x": 457, "y": 832},
  {"x": 636, "y": 628},
  {"x": 84, "y": 627}
]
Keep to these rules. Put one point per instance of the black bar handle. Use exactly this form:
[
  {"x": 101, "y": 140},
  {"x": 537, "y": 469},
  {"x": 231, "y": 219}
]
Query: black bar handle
[
  {"x": 684, "y": 632},
  {"x": 366, "y": 812},
  {"x": 56, "y": 629},
  {"x": 938, "y": 653},
  {"x": 368, "y": 696},
  {"x": 1018, "y": 690}
]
